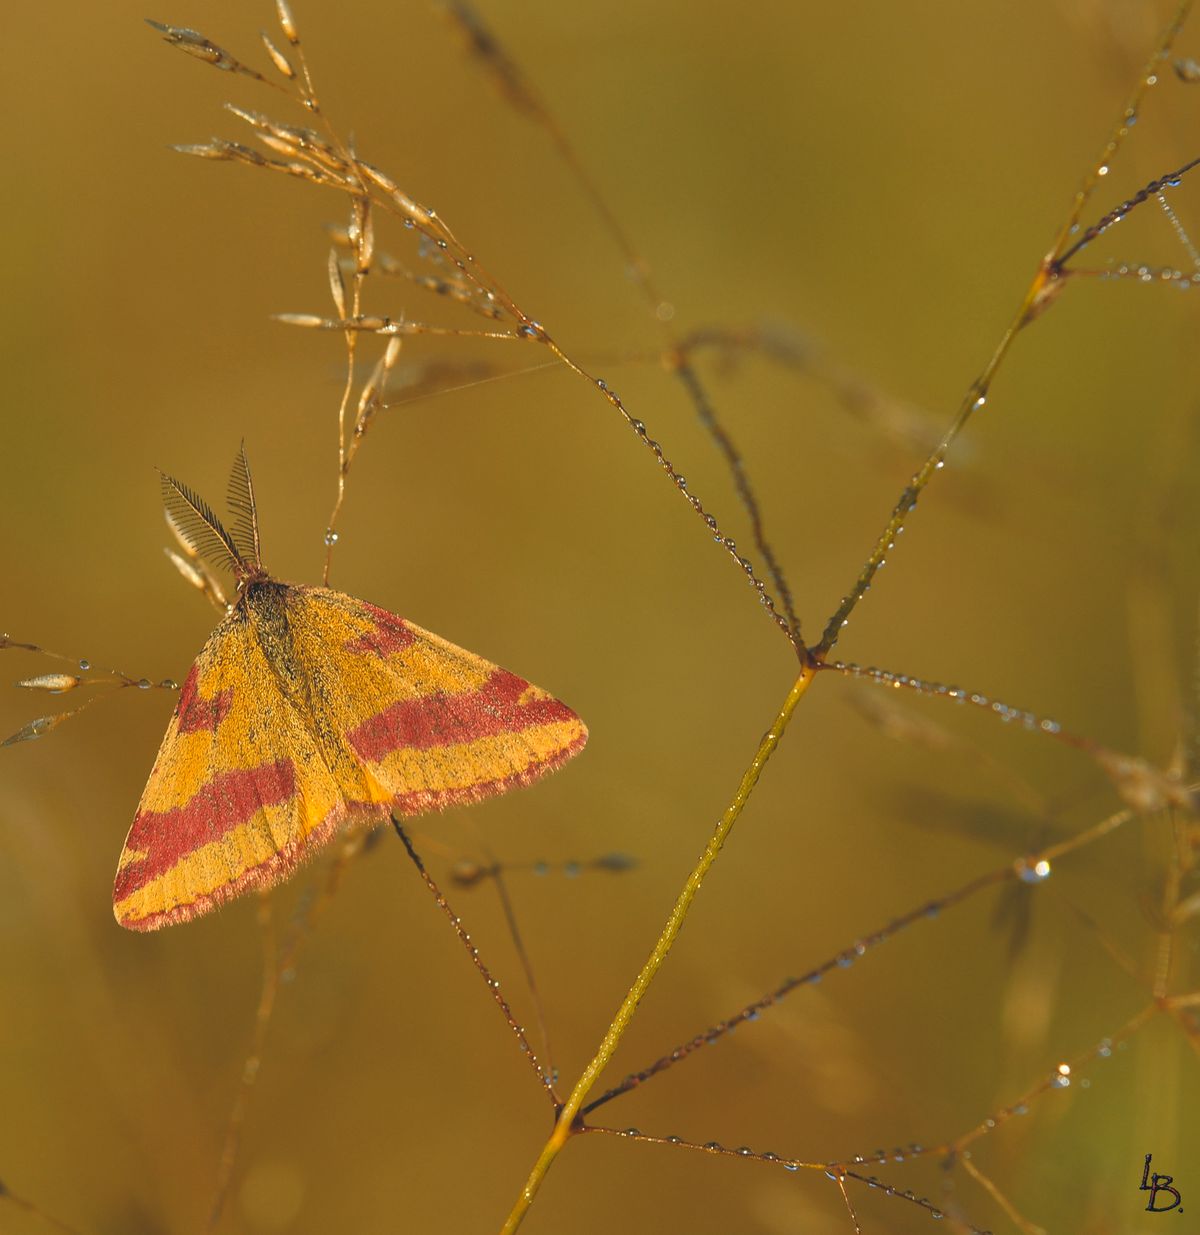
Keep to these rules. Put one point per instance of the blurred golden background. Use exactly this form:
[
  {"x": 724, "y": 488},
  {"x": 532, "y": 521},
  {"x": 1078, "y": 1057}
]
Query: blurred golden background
[{"x": 881, "y": 179}]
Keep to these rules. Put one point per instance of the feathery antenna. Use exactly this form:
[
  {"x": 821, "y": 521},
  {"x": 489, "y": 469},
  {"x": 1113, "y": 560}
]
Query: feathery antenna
[
  {"x": 194, "y": 523},
  {"x": 240, "y": 496}
]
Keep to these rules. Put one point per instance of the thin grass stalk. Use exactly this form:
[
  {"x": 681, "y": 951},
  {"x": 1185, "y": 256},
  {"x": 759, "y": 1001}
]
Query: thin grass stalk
[{"x": 566, "y": 1125}]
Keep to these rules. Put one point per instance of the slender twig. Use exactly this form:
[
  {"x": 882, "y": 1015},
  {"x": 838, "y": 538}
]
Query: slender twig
[
  {"x": 107, "y": 683},
  {"x": 705, "y": 409},
  {"x": 1037, "y": 296},
  {"x": 1057, "y": 1078},
  {"x": 7, "y": 1195},
  {"x": 473, "y": 952},
  {"x": 510, "y": 917},
  {"x": 517, "y": 88},
  {"x": 1030, "y": 1228},
  {"x": 1153, "y": 189},
  {"x": 973, "y": 401},
  {"x": 1031, "y": 869},
  {"x": 1129, "y": 114},
  {"x": 566, "y": 1126}
]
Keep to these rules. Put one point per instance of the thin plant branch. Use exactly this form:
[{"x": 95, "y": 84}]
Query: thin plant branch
[
  {"x": 565, "y": 1126},
  {"x": 544, "y": 1077}
]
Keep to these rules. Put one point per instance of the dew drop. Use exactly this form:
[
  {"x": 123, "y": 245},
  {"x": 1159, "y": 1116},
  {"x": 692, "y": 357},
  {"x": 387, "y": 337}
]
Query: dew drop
[
  {"x": 85, "y": 664},
  {"x": 1033, "y": 872},
  {"x": 143, "y": 684},
  {"x": 331, "y": 537}
]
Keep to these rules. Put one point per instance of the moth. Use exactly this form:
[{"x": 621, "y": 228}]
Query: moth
[{"x": 305, "y": 712}]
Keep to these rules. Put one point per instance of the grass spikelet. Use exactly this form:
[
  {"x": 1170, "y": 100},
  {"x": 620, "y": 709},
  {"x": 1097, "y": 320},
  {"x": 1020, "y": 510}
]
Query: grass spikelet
[
  {"x": 55, "y": 683},
  {"x": 278, "y": 59},
  {"x": 195, "y": 44}
]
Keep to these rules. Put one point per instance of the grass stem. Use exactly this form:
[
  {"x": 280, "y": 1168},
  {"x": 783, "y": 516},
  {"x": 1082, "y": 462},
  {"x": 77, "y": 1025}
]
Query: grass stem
[{"x": 565, "y": 1126}]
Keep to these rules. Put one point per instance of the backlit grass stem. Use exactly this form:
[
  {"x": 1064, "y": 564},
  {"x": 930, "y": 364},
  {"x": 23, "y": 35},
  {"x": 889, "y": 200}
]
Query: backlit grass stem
[{"x": 565, "y": 1126}]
